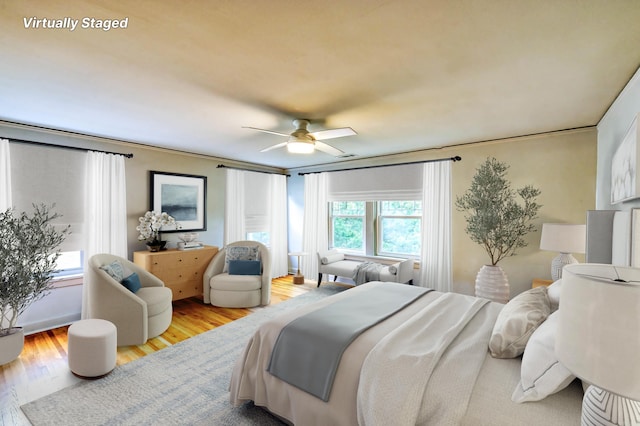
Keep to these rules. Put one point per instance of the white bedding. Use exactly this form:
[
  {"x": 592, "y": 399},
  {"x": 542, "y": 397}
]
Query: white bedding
[{"x": 465, "y": 385}]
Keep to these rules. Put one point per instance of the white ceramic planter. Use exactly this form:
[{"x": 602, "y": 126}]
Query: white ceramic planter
[
  {"x": 11, "y": 345},
  {"x": 492, "y": 284}
]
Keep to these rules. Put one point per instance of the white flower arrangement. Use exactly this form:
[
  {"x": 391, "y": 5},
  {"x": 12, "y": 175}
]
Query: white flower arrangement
[{"x": 151, "y": 224}]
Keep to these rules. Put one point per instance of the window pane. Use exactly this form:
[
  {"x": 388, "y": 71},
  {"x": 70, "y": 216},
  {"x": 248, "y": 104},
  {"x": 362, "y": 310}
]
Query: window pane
[
  {"x": 348, "y": 208},
  {"x": 400, "y": 235},
  {"x": 401, "y": 208},
  {"x": 348, "y": 233},
  {"x": 261, "y": 237},
  {"x": 69, "y": 263}
]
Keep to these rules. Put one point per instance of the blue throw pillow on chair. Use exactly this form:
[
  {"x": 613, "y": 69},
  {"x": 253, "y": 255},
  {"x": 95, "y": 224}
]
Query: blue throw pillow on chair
[
  {"x": 244, "y": 267},
  {"x": 132, "y": 282}
]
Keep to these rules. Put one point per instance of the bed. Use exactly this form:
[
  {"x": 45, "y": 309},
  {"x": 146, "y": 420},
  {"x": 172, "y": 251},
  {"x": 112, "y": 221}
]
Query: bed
[{"x": 411, "y": 368}]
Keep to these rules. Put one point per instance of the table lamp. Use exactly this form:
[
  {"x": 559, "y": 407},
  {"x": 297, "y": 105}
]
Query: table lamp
[
  {"x": 598, "y": 339},
  {"x": 565, "y": 238}
]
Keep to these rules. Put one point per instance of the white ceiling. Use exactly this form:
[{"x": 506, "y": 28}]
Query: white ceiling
[{"x": 406, "y": 74}]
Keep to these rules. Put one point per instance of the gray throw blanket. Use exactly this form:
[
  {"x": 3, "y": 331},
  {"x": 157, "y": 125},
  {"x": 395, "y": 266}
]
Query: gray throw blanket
[
  {"x": 308, "y": 350},
  {"x": 366, "y": 272}
]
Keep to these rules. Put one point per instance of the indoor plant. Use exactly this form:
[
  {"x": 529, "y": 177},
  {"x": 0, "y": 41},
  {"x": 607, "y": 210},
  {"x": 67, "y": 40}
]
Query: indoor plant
[
  {"x": 497, "y": 221},
  {"x": 27, "y": 261},
  {"x": 150, "y": 226}
]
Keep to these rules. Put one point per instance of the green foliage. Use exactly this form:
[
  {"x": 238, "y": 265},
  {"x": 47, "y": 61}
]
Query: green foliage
[
  {"x": 27, "y": 260},
  {"x": 401, "y": 236},
  {"x": 495, "y": 219},
  {"x": 348, "y": 233}
]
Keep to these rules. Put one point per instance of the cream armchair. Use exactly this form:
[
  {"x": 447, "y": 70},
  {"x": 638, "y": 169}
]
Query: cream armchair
[
  {"x": 237, "y": 291},
  {"x": 137, "y": 316}
]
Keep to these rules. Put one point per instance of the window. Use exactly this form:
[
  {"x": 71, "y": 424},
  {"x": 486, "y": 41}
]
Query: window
[
  {"x": 347, "y": 225},
  {"x": 381, "y": 228},
  {"x": 69, "y": 263},
  {"x": 261, "y": 237},
  {"x": 399, "y": 228},
  {"x": 50, "y": 176}
]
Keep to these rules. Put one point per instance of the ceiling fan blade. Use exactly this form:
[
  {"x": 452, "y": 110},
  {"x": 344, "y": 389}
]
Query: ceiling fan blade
[
  {"x": 280, "y": 145},
  {"x": 321, "y": 146},
  {"x": 333, "y": 133},
  {"x": 266, "y": 131}
]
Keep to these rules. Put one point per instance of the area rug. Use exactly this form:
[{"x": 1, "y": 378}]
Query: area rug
[{"x": 184, "y": 384}]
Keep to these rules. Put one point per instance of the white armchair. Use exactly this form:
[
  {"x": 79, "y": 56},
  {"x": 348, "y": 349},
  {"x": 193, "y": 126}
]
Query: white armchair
[
  {"x": 137, "y": 316},
  {"x": 237, "y": 291}
]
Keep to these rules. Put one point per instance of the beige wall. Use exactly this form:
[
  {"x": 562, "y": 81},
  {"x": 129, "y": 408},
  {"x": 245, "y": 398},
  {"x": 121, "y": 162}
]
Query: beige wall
[{"x": 561, "y": 165}]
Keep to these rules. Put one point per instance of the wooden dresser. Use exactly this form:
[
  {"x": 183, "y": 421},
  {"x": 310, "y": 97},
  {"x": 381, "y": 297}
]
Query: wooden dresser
[{"x": 181, "y": 270}]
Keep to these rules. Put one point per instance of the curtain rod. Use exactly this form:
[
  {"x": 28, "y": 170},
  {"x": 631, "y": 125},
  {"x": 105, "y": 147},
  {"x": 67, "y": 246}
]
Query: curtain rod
[
  {"x": 454, "y": 159},
  {"x": 75, "y": 148},
  {"x": 222, "y": 166}
]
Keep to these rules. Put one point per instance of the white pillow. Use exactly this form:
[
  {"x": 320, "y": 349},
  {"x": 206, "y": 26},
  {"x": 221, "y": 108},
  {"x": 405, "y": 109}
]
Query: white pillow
[
  {"x": 554, "y": 294},
  {"x": 331, "y": 257},
  {"x": 517, "y": 321},
  {"x": 541, "y": 374}
]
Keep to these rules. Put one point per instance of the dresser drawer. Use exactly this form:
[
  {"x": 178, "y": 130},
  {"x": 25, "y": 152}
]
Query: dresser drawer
[
  {"x": 186, "y": 289},
  {"x": 181, "y": 271}
]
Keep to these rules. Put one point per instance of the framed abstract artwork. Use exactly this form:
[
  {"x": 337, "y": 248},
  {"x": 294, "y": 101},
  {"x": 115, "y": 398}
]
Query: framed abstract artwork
[
  {"x": 181, "y": 196},
  {"x": 624, "y": 167}
]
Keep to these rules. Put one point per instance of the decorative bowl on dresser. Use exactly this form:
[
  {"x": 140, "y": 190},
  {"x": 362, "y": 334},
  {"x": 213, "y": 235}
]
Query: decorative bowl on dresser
[{"x": 181, "y": 270}]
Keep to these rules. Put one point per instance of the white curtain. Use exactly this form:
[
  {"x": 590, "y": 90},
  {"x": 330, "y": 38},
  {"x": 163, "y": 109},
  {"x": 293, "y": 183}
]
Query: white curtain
[
  {"x": 105, "y": 209},
  {"x": 255, "y": 202},
  {"x": 278, "y": 225},
  {"x": 5, "y": 175},
  {"x": 315, "y": 228},
  {"x": 234, "y": 210},
  {"x": 435, "y": 261}
]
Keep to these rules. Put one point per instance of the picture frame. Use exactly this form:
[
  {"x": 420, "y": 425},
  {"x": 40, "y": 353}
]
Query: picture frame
[
  {"x": 182, "y": 196},
  {"x": 625, "y": 180}
]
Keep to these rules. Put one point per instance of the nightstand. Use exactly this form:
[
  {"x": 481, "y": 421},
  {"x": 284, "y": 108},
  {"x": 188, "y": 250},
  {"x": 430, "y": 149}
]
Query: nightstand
[{"x": 539, "y": 282}]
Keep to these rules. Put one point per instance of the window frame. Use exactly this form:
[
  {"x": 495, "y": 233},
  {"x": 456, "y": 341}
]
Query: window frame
[
  {"x": 372, "y": 229},
  {"x": 364, "y": 227},
  {"x": 380, "y": 230},
  {"x": 71, "y": 272}
]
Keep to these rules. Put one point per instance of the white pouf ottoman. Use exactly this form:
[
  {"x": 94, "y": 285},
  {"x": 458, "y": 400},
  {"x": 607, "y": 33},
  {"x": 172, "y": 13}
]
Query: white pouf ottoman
[{"x": 92, "y": 347}]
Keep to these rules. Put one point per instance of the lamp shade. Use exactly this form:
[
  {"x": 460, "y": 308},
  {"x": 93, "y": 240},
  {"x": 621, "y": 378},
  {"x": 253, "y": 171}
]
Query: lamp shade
[
  {"x": 563, "y": 237},
  {"x": 598, "y": 336}
]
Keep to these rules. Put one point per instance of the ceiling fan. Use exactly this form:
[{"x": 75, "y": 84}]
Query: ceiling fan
[{"x": 301, "y": 141}]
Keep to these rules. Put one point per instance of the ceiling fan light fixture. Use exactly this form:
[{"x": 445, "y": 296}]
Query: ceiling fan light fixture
[{"x": 298, "y": 147}]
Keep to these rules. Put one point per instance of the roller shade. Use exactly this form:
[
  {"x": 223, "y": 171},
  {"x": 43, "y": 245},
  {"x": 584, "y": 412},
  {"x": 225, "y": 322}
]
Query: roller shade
[
  {"x": 403, "y": 182},
  {"x": 51, "y": 175}
]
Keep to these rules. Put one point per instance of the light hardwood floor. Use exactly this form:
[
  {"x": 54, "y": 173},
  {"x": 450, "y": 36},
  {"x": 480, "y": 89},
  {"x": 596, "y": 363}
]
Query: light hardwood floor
[{"x": 42, "y": 366}]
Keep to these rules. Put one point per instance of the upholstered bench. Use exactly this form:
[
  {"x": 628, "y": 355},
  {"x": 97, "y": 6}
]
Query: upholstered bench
[
  {"x": 92, "y": 349},
  {"x": 334, "y": 263}
]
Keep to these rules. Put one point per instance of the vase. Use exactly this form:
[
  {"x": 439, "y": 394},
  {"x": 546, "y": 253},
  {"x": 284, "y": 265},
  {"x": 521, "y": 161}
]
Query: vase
[
  {"x": 154, "y": 246},
  {"x": 492, "y": 284},
  {"x": 11, "y": 345}
]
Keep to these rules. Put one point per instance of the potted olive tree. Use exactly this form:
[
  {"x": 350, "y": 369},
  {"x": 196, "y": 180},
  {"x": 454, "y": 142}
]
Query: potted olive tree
[
  {"x": 498, "y": 222},
  {"x": 27, "y": 261}
]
